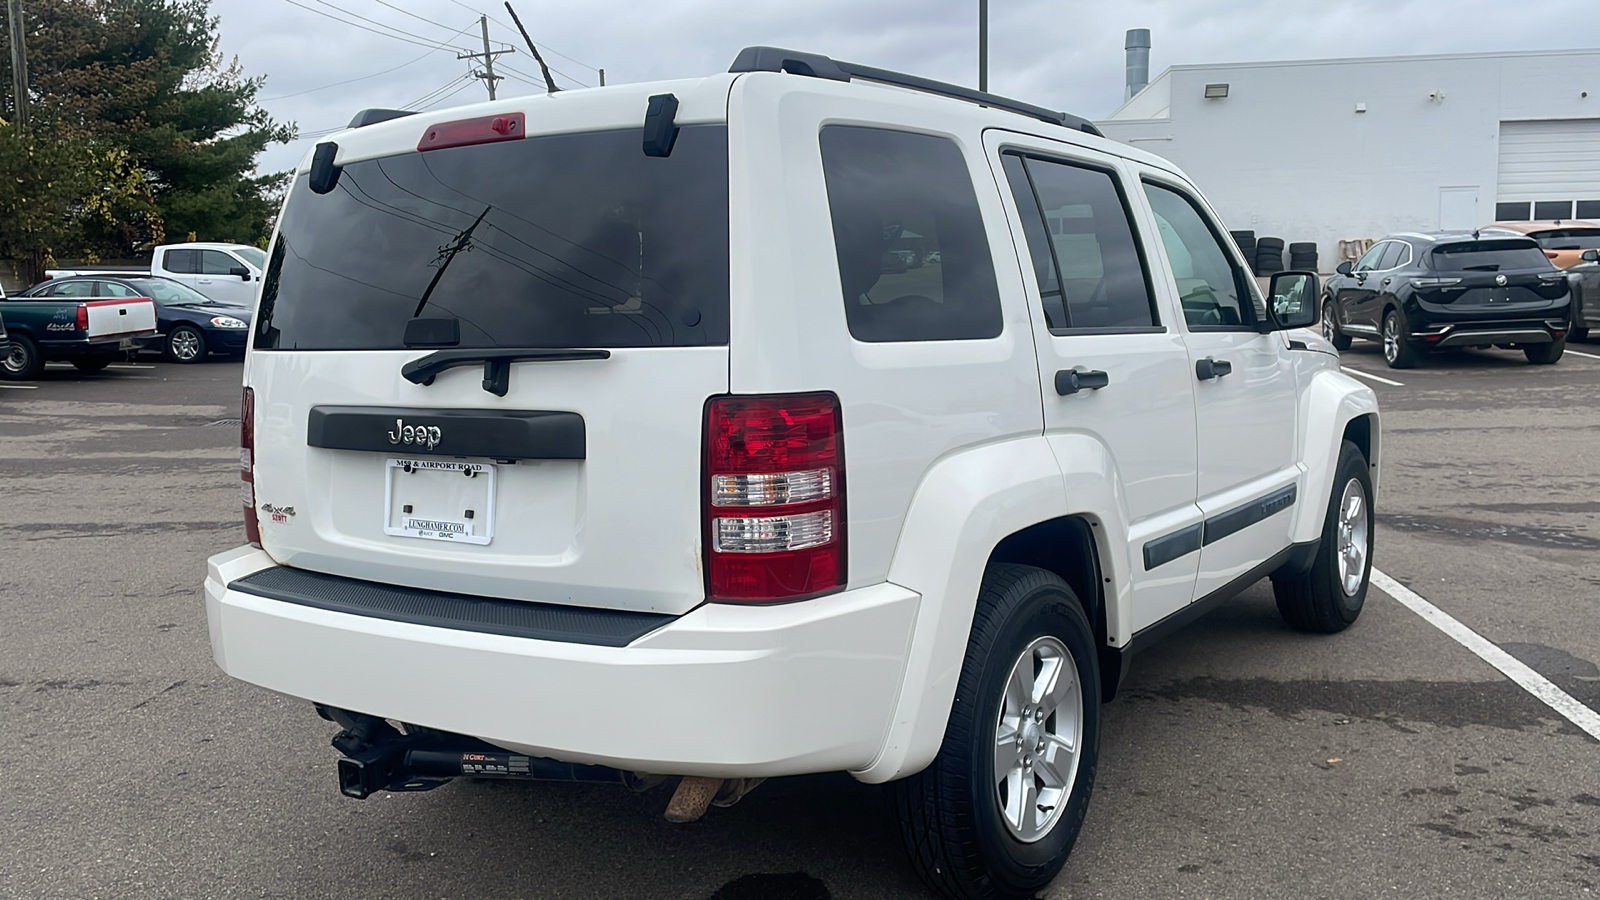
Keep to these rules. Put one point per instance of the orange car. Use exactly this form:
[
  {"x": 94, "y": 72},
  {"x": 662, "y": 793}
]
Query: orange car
[{"x": 1563, "y": 240}]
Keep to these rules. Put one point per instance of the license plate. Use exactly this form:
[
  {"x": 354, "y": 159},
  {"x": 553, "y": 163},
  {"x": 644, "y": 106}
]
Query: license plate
[{"x": 440, "y": 500}]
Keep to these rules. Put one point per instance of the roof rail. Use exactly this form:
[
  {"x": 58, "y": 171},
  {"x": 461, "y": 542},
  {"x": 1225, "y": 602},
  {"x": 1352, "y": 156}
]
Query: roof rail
[
  {"x": 374, "y": 116},
  {"x": 815, "y": 65}
]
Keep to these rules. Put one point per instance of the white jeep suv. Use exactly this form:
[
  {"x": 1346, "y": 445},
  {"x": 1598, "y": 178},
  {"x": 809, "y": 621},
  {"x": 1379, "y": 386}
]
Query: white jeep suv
[{"x": 804, "y": 418}]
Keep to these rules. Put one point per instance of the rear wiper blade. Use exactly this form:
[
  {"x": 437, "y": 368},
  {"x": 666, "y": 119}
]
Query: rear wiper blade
[{"x": 496, "y": 363}]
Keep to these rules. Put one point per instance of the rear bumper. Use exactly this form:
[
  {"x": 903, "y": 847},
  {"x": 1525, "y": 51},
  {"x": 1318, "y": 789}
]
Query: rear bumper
[
  {"x": 721, "y": 691},
  {"x": 1468, "y": 334}
]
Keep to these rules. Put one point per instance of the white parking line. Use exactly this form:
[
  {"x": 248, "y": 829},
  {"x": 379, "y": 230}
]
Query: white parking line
[
  {"x": 1526, "y": 678},
  {"x": 129, "y": 366},
  {"x": 1582, "y": 354},
  {"x": 20, "y": 387},
  {"x": 1360, "y": 374}
]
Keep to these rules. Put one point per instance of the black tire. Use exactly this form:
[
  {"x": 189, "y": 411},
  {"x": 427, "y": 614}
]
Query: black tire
[
  {"x": 1398, "y": 353},
  {"x": 1303, "y": 248},
  {"x": 1545, "y": 354},
  {"x": 1273, "y": 243},
  {"x": 23, "y": 360},
  {"x": 1579, "y": 334},
  {"x": 1318, "y": 599},
  {"x": 91, "y": 364},
  {"x": 951, "y": 817},
  {"x": 185, "y": 344},
  {"x": 1330, "y": 327}
]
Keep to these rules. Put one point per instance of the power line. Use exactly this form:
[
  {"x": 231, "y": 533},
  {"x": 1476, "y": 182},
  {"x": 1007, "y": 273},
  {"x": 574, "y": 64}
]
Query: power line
[
  {"x": 542, "y": 45},
  {"x": 420, "y": 43},
  {"x": 539, "y": 82},
  {"x": 413, "y": 15},
  {"x": 439, "y": 100},
  {"x": 373, "y": 75},
  {"x": 410, "y": 34}
]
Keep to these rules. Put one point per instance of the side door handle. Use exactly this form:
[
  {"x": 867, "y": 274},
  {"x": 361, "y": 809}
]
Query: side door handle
[
  {"x": 1071, "y": 381},
  {"x": 1386, "y": 281},
  {"x": 1208, "y": 368}
]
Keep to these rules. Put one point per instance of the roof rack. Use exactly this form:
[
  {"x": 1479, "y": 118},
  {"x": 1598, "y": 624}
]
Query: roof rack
[{"x": 815, "y": 65}]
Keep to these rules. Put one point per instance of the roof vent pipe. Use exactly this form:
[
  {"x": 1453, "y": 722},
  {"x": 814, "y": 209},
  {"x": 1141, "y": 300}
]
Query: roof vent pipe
[{"x": 1138, "y": 47}]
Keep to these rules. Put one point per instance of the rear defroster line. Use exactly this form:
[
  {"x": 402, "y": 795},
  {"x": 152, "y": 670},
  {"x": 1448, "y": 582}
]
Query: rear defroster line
[{"x": 1513, "y": 668}]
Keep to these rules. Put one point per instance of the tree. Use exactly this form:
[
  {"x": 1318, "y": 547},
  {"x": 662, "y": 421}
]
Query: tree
[{"x": 165, "y": 132}]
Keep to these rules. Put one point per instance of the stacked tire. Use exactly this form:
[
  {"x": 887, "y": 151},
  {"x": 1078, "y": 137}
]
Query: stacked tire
[
  {"x": 1269, "y": 255},
  {"x": 1303, "y": 256},
  {"x": 1247, "y": 244}
]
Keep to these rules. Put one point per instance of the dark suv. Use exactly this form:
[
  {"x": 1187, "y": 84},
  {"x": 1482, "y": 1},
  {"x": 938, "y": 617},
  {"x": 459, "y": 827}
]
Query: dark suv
[{"x": 1417, "y": 292}]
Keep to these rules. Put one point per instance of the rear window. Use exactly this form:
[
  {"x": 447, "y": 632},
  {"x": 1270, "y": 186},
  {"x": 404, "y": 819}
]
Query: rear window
[
  {"x": 1568, "y": 239},
  {"x": 1489, "y": 256},
  {"x": 575, "y": 240}
]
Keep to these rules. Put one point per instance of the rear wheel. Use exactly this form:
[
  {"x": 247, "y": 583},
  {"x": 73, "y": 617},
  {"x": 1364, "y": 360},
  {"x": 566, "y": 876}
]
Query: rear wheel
[
  {"x": 1330, "y": 327},
  {"x": 1545, "y": 354},
  {"x": 91, "y": 363},
  {"x": 997, "y": 812},
  {"x": 1397, "y": 349},
  {"x": 185, "y": 344},
  {"x": 1328, "y": 597},
  {"x": 22, "y": 360}
]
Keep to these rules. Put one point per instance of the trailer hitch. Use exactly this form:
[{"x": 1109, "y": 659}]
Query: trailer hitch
[{"x": 379, "y": 757}]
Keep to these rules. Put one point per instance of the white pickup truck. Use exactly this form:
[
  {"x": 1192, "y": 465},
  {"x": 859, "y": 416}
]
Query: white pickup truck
[{"x": 226, "y": 273}]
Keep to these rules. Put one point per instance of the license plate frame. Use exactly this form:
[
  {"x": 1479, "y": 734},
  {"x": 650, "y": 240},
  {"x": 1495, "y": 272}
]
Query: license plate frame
[{"x": 445, "y": 519}]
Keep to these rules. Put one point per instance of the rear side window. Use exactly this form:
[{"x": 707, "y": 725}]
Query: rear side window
[
  {"x": 575, "y": 240},
  {"x": 913, "y": 255},
  {"x": 182, "y": 262},
  {"x": 1391, "y": 255},
  {"x": 1080, "y": 235},
  {"x": 1489, "y": 256}
]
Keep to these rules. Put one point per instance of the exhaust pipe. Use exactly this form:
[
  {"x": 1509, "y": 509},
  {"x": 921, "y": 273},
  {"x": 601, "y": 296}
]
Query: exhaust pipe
[{"x": 377, "y": 757}]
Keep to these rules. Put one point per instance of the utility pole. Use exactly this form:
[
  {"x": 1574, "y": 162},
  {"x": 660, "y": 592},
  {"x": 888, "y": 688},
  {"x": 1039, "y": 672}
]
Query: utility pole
[
  {"x": 488, "y": 76},
  {"x": 19, "y": 62},
  {"x": 983, "y": 45}
]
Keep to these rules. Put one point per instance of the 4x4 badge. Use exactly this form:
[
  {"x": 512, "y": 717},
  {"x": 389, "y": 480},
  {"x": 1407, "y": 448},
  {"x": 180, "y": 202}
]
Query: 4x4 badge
[{"x": 426, "y": 435}]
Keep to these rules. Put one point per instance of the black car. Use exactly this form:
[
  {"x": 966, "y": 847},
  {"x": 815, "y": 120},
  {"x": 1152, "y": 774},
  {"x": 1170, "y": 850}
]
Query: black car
[
  {"x": 1419, "y": 292},
  {"x": 189, "y": 325},
  {"x": 1587, "y": 281}
]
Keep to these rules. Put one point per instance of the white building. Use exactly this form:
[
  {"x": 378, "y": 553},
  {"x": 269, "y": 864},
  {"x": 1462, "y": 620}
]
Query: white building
[{"x": 1349, "y": 149}]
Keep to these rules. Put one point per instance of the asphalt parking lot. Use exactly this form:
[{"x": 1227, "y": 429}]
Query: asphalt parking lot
[{"x": 1242, "y": 761}]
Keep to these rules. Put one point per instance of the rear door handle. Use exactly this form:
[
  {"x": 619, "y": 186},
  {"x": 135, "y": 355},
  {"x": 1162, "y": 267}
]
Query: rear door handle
[
  {"x": 1071, "y": 381},
  {"x": 1208, "y": 368}
]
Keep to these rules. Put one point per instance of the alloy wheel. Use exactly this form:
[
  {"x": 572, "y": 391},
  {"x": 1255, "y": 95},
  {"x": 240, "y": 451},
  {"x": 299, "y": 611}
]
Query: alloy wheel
[
  {"x": 185, "y": 345},
  {"x": 1354, "y": 539},
  {"x": 1037, "y": 739},
  {"x": 1391, "y": 338}
]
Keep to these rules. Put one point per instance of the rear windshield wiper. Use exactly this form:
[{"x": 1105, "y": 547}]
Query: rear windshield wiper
[
  {"x": 496, "y": 363},
  {"x": 447, "y": 255}
]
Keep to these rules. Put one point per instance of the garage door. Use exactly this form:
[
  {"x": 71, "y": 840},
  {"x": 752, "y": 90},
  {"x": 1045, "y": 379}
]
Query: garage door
[{"x": 1549, "y": 169}]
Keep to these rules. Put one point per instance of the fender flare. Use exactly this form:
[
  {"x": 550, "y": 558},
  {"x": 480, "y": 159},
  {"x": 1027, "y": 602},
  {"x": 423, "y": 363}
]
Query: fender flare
[
  {"x": 1328, "y": 405},
  {"x": 966, "y": 504}
]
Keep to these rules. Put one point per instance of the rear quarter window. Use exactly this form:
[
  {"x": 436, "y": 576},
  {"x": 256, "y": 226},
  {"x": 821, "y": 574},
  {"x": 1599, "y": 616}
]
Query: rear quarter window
[{"x": 913, "y": 256}]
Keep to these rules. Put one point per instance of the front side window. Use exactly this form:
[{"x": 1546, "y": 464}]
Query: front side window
[
  {"x": 1210, "y": 288},
  {"x": 1369, "y": 260},
  {"x": 215, "y": 262},
  {"x": 255, "y": 256},
  {"x": 1080, "y": 235},
  {"x": 913, "y": 255}
]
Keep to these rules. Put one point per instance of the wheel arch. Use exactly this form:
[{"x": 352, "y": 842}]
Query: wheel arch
[
  {"x": 1001, "y": 502},
  {"x": 1334, "y": 408}
]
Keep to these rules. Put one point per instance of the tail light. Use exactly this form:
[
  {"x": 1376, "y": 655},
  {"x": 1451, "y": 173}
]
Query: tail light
[
  {"x": 1551, "y": 254},
  {"x": 247, "y": 466},
  {"x": 83, "y": 317},
  {"x": 774, "y": 497}
]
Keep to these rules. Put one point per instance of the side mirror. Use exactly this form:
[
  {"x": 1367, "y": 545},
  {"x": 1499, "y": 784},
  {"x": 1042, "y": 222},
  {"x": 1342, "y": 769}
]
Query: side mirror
[
  {"x": 240, "y": 272},
  {"x": 1591, "y": 256},
  {"x": 1345, "y": 267},
  {"x": 1292, "y": 298}
]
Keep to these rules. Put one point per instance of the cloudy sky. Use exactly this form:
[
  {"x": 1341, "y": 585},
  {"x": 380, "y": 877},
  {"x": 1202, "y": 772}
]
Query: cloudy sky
[{"x": 325, "y": 59}]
